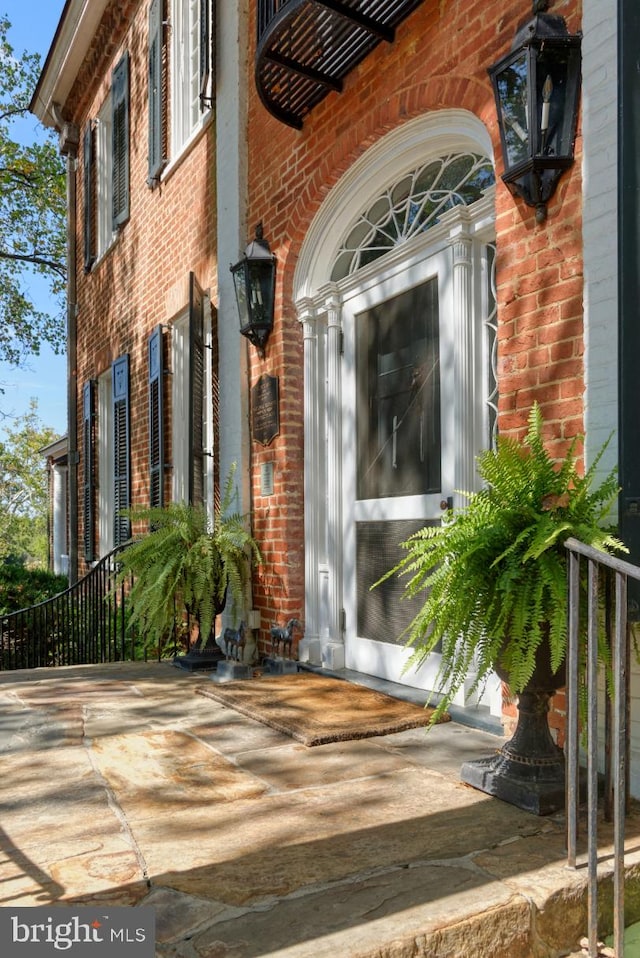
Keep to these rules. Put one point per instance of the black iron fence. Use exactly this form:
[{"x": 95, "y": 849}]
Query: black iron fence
[
  {"x": 88, "y": 623},
  {"x": 607, "y": 617}
]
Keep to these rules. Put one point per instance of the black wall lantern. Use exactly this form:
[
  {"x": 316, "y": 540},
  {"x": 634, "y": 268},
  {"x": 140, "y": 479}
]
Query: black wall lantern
[
  {"x": 537, "y": 86},
  {"x": 254, "y": 278}
]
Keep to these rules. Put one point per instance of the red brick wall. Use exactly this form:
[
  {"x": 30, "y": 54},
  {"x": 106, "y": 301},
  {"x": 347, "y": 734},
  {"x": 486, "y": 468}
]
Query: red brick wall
[
  {"x": 143, "y": 278},
  {"x": 439, "y": 60}
]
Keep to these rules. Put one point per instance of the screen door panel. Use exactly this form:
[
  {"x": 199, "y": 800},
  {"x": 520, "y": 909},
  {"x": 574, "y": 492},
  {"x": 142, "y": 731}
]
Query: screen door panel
[
  {"x": 398, "y": 396},
  {"x": 383, "y": 613}
]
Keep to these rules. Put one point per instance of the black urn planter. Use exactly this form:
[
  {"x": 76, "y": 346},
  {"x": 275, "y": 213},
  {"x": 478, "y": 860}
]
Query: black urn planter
[
  {"x": 207, "y": 657},
  {"x": 529, "y": 770}
]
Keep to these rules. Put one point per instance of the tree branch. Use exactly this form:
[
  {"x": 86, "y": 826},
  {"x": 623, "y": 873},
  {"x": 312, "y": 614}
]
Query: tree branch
[
  {"x": 12, "y": 112},
  {"x": 36, "y": 261},
  {"x": 27, "y": 179}
]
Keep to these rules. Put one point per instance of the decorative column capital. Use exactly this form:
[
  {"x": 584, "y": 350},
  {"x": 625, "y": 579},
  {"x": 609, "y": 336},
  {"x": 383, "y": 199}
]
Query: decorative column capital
[
  {"x": 460, "y": 241},
  {"x": 331, "y": 300},
  {"x": 307, "y": 315}
]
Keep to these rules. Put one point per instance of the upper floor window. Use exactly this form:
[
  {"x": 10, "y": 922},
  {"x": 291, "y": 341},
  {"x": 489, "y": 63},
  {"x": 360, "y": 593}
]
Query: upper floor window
[
  {"x": 185, "y": 71},
  {"x": 180, "y": 76},
  {"x": 104, "y": 178},
  {"x": 106, "y": 167}
]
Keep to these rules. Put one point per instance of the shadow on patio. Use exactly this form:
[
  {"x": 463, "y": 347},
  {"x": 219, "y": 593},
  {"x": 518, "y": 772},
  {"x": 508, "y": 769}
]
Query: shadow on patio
[{"x": 121, "y": 786}]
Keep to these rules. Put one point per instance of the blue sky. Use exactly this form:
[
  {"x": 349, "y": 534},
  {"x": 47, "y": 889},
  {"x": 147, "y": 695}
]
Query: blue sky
[{"x": 44, "y": 377}]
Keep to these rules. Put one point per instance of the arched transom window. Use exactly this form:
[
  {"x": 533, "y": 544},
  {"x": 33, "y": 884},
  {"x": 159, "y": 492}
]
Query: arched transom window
[{"x": 411, "y": 205}]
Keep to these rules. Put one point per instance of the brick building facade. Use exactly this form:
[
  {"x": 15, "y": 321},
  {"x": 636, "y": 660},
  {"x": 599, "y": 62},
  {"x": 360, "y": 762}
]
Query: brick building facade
[
  {"x": 143, "y": 229},
  {"x": 381, "y": 197},
  {"x": 424, "y": 97}
]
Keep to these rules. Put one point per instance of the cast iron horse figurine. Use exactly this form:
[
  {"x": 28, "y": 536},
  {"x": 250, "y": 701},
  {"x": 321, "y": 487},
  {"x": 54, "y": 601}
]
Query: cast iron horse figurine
[
  {"x": 234, "y": 643},
  {"x": 282, "y": 637}
]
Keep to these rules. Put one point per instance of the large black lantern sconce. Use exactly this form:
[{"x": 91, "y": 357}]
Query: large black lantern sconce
[
  {"x": 537, "y": 87},
  {"x": 254, "y": 278}
]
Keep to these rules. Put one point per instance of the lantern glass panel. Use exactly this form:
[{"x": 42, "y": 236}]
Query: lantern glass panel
[
  {"x": 240, "y": 283},
  {"x": 556, "y": 85},
  {"x": 512, "y": 87},
  {"x": 261, "y": 279}
]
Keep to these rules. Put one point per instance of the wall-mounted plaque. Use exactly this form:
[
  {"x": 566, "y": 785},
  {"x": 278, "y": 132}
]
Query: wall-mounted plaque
[
  {"x": 266, "y": 479},
  {"x": 265, "y": 409}
]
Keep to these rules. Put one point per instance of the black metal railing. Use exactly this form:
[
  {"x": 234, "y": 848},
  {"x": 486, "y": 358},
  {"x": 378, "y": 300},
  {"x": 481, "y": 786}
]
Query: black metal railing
[
  {"x": 607, "y": 612},
  {"x": 306, "y": 48},
  {"x": 87, "y": 623},
  {"x": 267, "y": 9}
]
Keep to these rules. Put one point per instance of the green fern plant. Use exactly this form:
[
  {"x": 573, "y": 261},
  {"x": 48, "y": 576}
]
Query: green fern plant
[
  {"x": 494, "y": 574},
  {"x": 187, "y": 562}
]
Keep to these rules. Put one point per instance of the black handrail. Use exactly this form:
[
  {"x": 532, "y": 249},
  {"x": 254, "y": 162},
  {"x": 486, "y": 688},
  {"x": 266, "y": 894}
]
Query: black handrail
[
  {"x": 88, "y": 623},
  {"x": 608, "y": 576}
]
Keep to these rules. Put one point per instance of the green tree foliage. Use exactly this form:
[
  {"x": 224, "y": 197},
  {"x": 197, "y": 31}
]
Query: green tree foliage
[
  {"x": 23, "y": 489},
  {"x": 32, "y": 214}
]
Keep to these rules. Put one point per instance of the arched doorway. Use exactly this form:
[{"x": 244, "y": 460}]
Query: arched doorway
[{"x": 394, "y": 287}]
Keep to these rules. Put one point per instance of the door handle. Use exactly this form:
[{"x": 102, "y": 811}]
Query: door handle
[{"x": 446, "y": 503}]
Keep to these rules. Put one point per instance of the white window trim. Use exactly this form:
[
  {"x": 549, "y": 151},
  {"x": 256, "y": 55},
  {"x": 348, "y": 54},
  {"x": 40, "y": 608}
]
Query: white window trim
[
  {"x": 175, "y": 162},
  {"x": 105, "y": 235}
]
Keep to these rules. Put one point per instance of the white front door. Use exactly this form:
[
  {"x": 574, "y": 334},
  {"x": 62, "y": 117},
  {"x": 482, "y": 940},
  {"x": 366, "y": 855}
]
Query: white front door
[
  {"x": 394, "y": 290},
  {"x": 398, "y": 428}
]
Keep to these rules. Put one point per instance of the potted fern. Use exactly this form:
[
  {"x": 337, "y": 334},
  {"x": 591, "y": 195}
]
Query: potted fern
[
  {"x": 188, "y": 562},
  {"x": 494, "y": 578}
]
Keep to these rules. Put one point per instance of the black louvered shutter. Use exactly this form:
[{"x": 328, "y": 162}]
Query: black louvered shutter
[
  {"x": 120, "y": 141},
  {"x": 196, "y": 393},
  {"x": 156, "y": 110},
  {"x": 207, "y": 49},
  {"x": 89, "y": 202},
  {"x": 88, "y": 446},
  {"x": 156, "y": 420},
  {"x": 121, "y": 456}
]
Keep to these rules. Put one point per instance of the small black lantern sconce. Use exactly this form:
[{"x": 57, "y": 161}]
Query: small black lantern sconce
[
  {"x": 254, "y": 278},
  {"x": 537, "y": 86}
]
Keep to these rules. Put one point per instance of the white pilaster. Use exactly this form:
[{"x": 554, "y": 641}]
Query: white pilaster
[
  {"x": 59, "y": 531},
  {"x": 464, "y": 362},
  {"x": 333, "y": 640},
  {"x": 309, "y": 649},
  {"x": 600, "y": 237},
  {"x": 232, "y": 237}
]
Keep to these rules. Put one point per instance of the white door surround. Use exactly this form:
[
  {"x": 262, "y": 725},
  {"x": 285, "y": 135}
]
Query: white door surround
[{"x": 460, "y": 242}]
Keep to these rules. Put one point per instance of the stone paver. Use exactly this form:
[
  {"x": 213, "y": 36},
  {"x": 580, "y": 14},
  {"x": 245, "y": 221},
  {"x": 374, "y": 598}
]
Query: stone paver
[{"x": 120, "y": 785}]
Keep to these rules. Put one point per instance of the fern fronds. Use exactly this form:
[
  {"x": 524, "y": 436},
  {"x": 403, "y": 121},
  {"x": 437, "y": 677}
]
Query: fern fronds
[
  {"x": 188, "y": 562},
  {"x": 494, "y": 574}
]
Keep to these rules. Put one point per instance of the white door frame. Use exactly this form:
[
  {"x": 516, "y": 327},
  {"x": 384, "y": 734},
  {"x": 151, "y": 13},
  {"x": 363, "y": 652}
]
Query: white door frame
[
  {"x": 464, "y": 232},
  {"x": 364, "y": 654}
]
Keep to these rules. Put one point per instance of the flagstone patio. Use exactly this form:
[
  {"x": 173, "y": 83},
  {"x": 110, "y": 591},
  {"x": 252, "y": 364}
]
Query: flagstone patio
[{"x": 121, "y": 786}]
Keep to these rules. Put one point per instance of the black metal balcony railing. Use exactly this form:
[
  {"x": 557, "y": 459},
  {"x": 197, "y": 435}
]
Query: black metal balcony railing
[
  {"x": 307, "y": 47},
  {"x": 87, "y": 623}
]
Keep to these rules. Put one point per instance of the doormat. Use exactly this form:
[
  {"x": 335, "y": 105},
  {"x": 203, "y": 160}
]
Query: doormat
[{"x": 315, "y": 710}]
